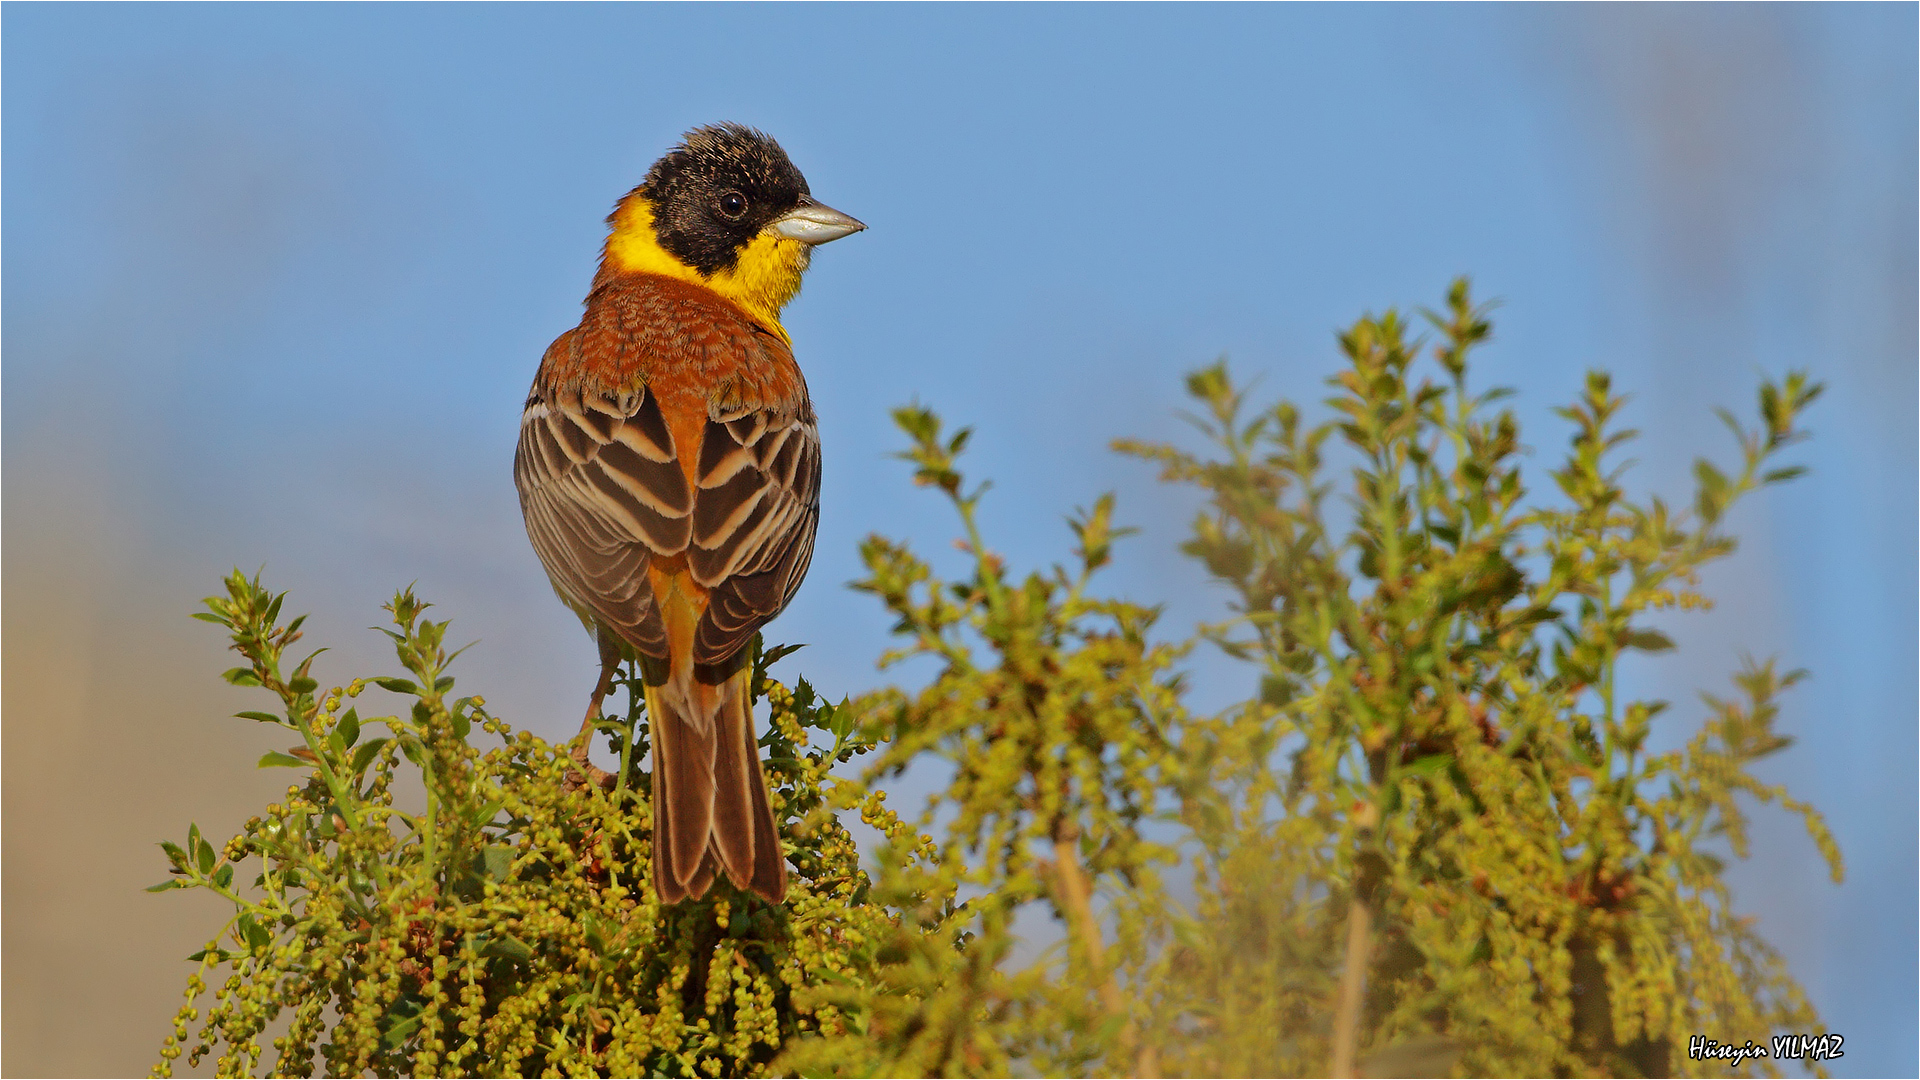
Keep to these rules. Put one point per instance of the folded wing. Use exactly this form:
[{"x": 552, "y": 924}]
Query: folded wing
[
  {"x": 756, "y": 508},
  {"x": 604, "y": 494}
]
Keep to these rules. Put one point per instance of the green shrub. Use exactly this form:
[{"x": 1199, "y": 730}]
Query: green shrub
[
  {"x": 1435, "y": 838},
  {"x": 511, "y": 928},
  {"x": 1437, "y": 833}
]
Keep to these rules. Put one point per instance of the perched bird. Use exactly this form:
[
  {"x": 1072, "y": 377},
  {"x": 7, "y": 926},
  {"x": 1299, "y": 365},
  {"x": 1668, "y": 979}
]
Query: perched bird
[{"x": 669, "y": 473}]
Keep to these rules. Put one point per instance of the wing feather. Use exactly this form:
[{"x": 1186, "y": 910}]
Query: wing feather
[
  {"x": 603, "y": 495},
  {"x": 756, "y": 510}
]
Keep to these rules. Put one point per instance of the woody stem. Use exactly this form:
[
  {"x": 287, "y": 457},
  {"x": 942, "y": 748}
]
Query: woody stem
[
  {"x": 1076, "y": 902},
  {"x": 1353, "y": 978}
]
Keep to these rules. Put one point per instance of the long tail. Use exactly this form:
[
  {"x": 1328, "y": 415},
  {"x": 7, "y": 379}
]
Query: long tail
[{"x": 710, "y": 810}]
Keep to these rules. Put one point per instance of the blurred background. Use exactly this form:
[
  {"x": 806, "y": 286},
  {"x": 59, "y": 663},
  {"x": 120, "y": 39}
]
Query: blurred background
[{"x": 276, "y": 279}]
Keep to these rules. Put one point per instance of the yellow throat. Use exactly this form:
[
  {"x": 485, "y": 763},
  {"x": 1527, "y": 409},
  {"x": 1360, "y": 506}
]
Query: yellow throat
[{"x": 764, "y": 279}]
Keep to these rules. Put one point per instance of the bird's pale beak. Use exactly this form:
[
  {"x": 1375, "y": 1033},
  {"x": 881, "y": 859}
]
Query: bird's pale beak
[{"x": 813, "y": 223}]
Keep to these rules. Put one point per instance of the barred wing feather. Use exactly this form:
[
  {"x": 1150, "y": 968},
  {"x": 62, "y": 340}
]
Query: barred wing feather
[
  {"x": 755, "y": 513},
  {"x": 604, "y": 494}
]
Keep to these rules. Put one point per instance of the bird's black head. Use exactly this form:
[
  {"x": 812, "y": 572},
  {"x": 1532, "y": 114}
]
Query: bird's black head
[
  {"x": 715, "y": 191},
  {"x": 726, "y": 210}
]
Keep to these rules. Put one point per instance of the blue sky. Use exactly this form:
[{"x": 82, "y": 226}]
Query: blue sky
[{"x": 276, "y": 279}]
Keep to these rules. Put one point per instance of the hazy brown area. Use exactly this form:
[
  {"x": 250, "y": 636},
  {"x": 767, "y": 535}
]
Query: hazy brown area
[{"x": 108, "y": 702}]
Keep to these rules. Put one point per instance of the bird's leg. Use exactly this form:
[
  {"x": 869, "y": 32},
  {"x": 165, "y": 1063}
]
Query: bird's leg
[{"x": 609, "y": 662}]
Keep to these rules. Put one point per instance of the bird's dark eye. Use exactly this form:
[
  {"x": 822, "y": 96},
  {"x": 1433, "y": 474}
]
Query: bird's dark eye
[{"x": 732, "y": 205}]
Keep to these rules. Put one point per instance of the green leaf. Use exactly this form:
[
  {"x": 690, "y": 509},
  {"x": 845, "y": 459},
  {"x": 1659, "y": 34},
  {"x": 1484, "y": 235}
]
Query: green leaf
[
  {"x": 497, "y": 861},
  {"x": 1391, "y": 801},
  {"x": 263, "y": 717},
  {"x": 509, "y": 947},
  {"x": 443, "y": 684},
  {"x": 1276, "y": 690},
  {"x": 252, "y": 932},
  {"x": 396, "y": 1036},
  {"x": 774, "y": 655},
  {"x": 597, "y": 930},
  {"x": 170, "y": 883},
  {"x": 303, "y": 685},
  {"x": 1711, "y": 499},
  {"x": 1577, "y": 750},
  {"x": 208, "y": 616},
  {"x": 1647, "y": 640},
  {"x": 241, "y": 676},
  {"x": 274, "y": 759},
  {"x": 223, "y": 877},
  {"x": 485, "y": 813},
  {"x": 398, "y": 686},
  {"x": 365, "y": 755},
  {"x": 1429, "y": 764},
  {"x": 349, "y": 727}
]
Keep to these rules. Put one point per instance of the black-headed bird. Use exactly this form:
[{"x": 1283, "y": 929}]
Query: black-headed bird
[{"x": 669, "y": 472}]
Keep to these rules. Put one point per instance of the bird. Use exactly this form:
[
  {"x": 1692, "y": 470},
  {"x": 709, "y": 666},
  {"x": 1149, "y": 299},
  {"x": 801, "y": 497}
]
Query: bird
[{"x": 669, "y": 473}]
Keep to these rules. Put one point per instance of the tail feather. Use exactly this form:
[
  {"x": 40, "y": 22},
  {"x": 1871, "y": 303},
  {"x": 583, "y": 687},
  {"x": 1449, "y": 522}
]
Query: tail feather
[
  {"x": 710, "y": 808},
  {"x": 744, "y": 835},
  {"x": 682, "y": 790}
]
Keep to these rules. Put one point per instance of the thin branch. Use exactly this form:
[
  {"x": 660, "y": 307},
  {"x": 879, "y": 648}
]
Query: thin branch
[{"x": 1353, "y": 983}]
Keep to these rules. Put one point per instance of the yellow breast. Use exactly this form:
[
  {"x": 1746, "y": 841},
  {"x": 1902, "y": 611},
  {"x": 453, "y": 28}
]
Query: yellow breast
[{"x": 761, "y": 283}]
